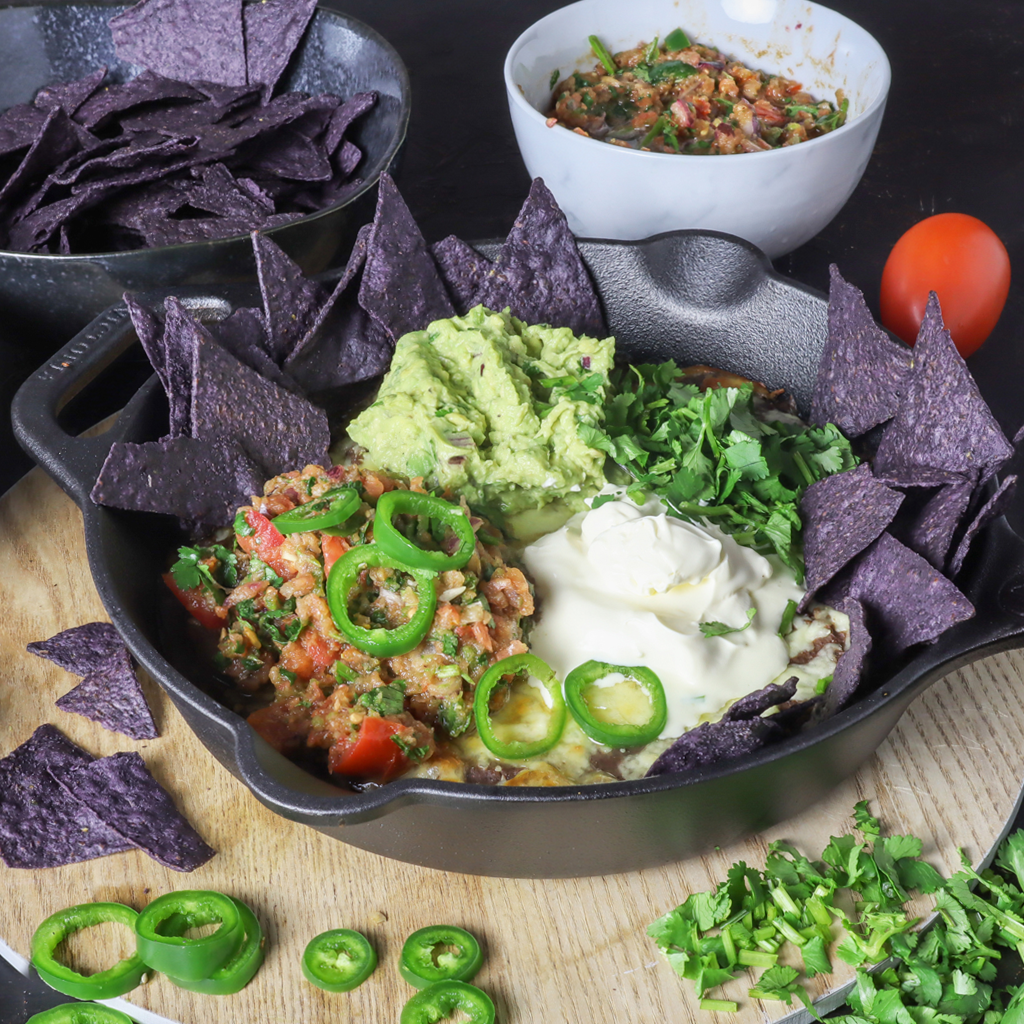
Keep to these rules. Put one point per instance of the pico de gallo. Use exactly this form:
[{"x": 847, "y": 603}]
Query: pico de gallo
[{"x": 678, "y": 96}]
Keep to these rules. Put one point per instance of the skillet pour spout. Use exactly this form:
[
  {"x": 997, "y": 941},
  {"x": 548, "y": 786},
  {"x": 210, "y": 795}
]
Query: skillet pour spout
[{"x": 697, "y": 297}]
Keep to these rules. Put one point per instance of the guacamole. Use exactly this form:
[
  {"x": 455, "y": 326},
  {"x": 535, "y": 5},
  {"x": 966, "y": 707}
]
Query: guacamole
[{"x": 488, "y": 407}]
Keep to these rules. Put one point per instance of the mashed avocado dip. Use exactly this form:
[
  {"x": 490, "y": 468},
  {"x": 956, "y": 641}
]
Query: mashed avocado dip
[{"x": 489, "y": 407}]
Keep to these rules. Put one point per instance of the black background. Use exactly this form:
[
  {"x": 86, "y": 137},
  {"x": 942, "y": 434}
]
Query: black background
[{"x": 951, "y": 141}]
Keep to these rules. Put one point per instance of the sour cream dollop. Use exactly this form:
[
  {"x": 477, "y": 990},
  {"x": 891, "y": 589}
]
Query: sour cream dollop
[{"x": 630, "y": 585}]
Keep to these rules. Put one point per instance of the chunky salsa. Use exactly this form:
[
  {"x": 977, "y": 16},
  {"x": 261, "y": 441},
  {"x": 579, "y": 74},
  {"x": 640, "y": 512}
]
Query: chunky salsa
[{"x": 678, "y": 96}]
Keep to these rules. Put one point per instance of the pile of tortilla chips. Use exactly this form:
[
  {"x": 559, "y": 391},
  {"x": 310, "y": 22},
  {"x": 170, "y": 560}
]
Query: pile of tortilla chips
[{"x": 195, "y": 147}]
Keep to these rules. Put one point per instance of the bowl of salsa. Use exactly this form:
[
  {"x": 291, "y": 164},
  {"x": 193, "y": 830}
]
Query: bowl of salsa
[{"x": 615, "y": 106}]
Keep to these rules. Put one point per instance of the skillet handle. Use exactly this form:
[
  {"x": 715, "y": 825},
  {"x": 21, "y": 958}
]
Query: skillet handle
[{"x": 74, "y": 462}]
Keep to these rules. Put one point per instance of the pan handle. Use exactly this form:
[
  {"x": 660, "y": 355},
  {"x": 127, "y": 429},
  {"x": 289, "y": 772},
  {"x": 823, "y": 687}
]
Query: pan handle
[{"x": 74, "y": 462}]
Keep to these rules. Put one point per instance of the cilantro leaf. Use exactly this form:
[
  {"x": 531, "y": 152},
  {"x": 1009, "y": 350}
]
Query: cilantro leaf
[
  {"x": 710, "y": 629},
  {"x": 388, "y": 699}
]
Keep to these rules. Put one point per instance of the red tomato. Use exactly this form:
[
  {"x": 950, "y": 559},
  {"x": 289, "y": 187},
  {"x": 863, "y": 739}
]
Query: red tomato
[
  {"x": 333, "y": 548},
  {"x": 198, "y": 602},
  {"x": 964, "y": 262},
  {"x": 264, "y": 541},
  {"x": 372, "y": 754}
]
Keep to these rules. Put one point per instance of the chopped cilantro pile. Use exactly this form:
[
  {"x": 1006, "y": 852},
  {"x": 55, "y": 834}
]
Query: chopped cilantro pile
[
  {"x": 707, "y": 456},
  {"x": 944, "y": 975}
]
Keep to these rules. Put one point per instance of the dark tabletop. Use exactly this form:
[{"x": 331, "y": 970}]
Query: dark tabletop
[{"x": 949, "y": 142}]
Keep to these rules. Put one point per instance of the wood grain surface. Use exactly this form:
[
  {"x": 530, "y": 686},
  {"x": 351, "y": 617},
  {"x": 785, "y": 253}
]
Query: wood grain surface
[{"x": 571, "y": 950}]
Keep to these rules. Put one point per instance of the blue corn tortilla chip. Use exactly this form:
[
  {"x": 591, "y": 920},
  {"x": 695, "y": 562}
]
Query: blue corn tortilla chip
[
  {"x": 150, "y": 333},
  {"x": 273, "y": 29},
  {"x": 290, "y": 300},
  {"x": 112, "y": 696},
  {"x": 992, "y": 509},
  {"x": 279, "y": 430},
  {"x": 342, "y": 118},
  {"x": 198, "y": 480},
  {"x": 56, "y": 141},
  {"x": 932, "y": 533},
  {"x": 20, "y": 125},
  {"x": 863, "y": 372},
  {"x": 757, "y": 703},
  {"x": 180, "y": 338},
  {"x": 942, "y": 422},
  {"x": 463, "y": 271},
  {"x": 401, "y": 288},
  {"x": 842, "y": 514},
  {"x": 882, "y": 578},
  {"x": 539, "y": 273},
  {"x": 41, "y": 825},
  {"x": 146, "y": 87},
  {"x": 122, "y": 792},
  {"x": 714, "y": 742},
  {"x": 244, "y": 335},
  {"x": 849, "y": 667},
  {"x": 81, "y": 649},
  {"x": 344, "y": 345},
  {"x": 69, "y": 96},
  {"x": 184, "y": 39}
]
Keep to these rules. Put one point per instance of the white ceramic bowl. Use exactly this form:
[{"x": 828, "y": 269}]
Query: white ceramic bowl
[{"x": 777, "y": 199}]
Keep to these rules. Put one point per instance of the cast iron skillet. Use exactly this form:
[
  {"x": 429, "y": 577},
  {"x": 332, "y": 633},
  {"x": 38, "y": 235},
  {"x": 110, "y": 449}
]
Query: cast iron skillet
[{"x": 695, "y": 296}]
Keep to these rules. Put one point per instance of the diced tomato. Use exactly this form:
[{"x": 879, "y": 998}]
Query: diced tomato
[
  {"x": 373, "y": 754},
  {"x": 333, "y": 548},
  {"x": 323, "y": 653},
  {"x": 295, "y": 659},
  {"x": 199, "y": 603},
  {"x": 265, "y": 542}
]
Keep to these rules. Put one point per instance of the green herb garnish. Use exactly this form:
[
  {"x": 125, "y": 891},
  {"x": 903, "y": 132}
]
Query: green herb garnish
[
  {"x": 677, "y": 40},
  {"x": 603, "y": 55},
  {"x": 388, "y": 699},
  {"x": 721, "y": 629}
]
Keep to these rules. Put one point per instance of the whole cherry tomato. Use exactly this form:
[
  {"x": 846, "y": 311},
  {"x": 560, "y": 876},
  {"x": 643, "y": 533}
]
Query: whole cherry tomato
[{"x": 961, "y": 259}]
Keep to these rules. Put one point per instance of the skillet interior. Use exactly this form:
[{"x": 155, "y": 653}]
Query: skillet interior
[{"x": 694, "y": 296}]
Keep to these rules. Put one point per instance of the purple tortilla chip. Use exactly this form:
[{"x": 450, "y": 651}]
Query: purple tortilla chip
[
  {"x": 932, "y": 532},
  {"x": 69, "y": 96},
  {"x": 287, "y": 153},
  {"x": 942, "y": 421},
  {"x": 280, "y": 430},
  {"x": 41, "y": 826},
  {"x": 463, "y": 270},
  {"x": 273, "y": 29},
  {"x": 713, "y": 742},
  {"x": 883, "y": 579},
  {"x": 343, "y": 117},
  {"x": 850, "y": 665},
  {"x": 290, "y": 300},
  {"x": 81, "y": 649},
  {"x": 345, "y": 344},
  {"x": 20, "y": 127},
  {"x": 112, "y": 696},
  {"x": 244, "y": 335},
  {"x": 215, "y": 190},
  {"x": 992, "y": 509},
  {"x": 180, "y": 338},
  {"x": 123, "y": 793},
  {"x": 401, "y": 288},
  {"x": 842, "y": 514},
  {"x": 184, "y": 39},
  {"x": 56, "y": 141},
  {"x": 200, "y": 480},
  {"x": 146, "y": 87},
  {"x": 755, "y": 704},
  {"x": 150, "y": 333},
  {"x": 539, "y": 273},
  {"x": 863, "y": 372}
]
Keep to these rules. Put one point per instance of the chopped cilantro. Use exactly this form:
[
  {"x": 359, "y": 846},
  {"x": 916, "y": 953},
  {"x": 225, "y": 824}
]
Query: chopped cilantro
[
  {"x": 721, "y": 629},
  {"x": 410, "y": 750},
  {"x": 289, "y": 675},
  {"x": 787, "y": 619},
  {"x": 709, "y": 457},
  {"x": 191, "y": 571},
  {"x": 241, "y": 527},
  {"x": 388, "y": 699},
  {"x": 344, "y": 673},
  {"x": 259, "y": 570},
  {"x": 447, "y": 642},
  {"x": 554, "y": 79}
]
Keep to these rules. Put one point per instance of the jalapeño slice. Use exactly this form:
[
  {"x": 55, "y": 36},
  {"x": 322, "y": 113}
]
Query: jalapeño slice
[
  {"x": 115, "y": 981},
  {"x": 379, "y": 641},
  {"x": 440, "y": 952},
  {"x": 338, "y": 960},
  {"x": 398, "y": 546},
  {"x": 331, "y": 509},
  {"x": 160, "y": 928},
  {"x": 80, "y": 1013},
  {"x": 616, "y": 734},
  {"x": 492, "y": 678},
  {"x": 439, "y": 1001},
  {"x": 234, "y": 975}
]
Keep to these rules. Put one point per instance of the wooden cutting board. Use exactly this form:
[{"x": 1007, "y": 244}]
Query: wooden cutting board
[{"x": 572, "y": 950}]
